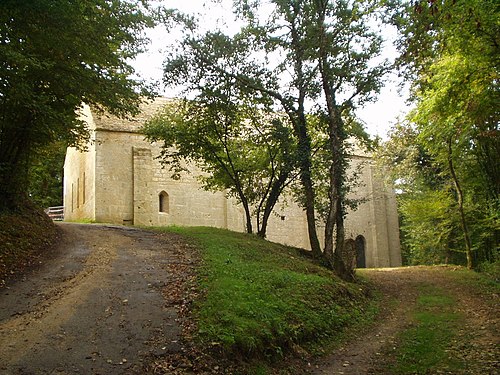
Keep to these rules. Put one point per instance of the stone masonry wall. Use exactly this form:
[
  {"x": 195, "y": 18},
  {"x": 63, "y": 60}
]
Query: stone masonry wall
[
  {"x": 130, "y": 179},
  {"x": 375, "y": 219},
  {"x": 114, "y": 177},
  {"x": 79, "y": 178},
  {"x": 121, "y": 181}
]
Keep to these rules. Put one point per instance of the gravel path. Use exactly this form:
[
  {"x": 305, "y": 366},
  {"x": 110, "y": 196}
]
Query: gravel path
[{"x": 95, "y": 307}]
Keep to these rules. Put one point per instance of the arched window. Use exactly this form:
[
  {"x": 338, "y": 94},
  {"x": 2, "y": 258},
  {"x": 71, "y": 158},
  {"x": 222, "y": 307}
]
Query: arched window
[
  {"x": 360, "y": 252},
  {"x": 164, "y": 204}
]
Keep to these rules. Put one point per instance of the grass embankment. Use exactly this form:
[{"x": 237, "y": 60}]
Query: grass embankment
[
  {"x": 24, "y": 236},
  {"x": 261, "y": 299}
]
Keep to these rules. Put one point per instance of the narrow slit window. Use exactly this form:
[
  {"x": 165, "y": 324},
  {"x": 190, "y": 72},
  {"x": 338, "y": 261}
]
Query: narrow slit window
[
  {"x": 164, "y": 202},
  {"x": 83, "y": 189}
]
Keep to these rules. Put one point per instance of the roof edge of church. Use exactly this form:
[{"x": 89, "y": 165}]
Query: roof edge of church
[
  {"x": 148, "y": 109},
  {"x": 110, "y": 123}
]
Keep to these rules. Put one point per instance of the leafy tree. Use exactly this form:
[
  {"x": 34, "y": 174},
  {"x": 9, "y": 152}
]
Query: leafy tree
[
  {"x": 429, "y": 220},
  {"x": 301, "y": 51},
  {"x": 215, "y": 59},
  {"x": 329, "y": 48},
  {"x": 428, "y": 215},
  {"x": 345, "y": 48},
  {"x": 54, "y": 55},
  {"x": 243, "y": 151},
  {"x": 451, "y": 50}
]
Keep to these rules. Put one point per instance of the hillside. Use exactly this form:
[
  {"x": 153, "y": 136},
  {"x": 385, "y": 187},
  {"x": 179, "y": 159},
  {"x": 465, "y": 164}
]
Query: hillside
[
  {"x": 260, "y": 302},
  {"x": 24, "y": 239},
  {"x": 263, "y": 308}
]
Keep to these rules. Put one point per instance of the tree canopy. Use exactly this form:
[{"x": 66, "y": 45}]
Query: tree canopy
[
  {"x": 54, "y": 55},
  {"x": 244, "y": 152},
  {"x": 450, "y": 50}
]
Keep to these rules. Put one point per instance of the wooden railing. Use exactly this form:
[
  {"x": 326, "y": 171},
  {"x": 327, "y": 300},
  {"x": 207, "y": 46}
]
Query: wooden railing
[{"x": 55, "y": 213}]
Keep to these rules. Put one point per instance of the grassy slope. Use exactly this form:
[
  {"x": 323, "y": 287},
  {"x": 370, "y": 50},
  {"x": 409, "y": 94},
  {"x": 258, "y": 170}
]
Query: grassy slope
[
  {"x": 262, "y": 299},
  {"x": 23, "y": 238}
]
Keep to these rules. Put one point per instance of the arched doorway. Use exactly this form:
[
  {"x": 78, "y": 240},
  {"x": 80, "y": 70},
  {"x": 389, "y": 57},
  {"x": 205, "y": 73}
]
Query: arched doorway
[{"x": 360, "y": 252}]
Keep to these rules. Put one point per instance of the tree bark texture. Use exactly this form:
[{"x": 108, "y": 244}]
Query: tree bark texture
[
  {"x": 335, "y": 215},
  {"x": 460, "y": 201}
]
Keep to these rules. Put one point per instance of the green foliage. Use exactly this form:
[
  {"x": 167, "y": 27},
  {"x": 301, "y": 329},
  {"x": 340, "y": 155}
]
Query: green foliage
[
  {"x": 450, "y": 49},
  {"x": 409, "y": 166},
  {"x": 244, "y": 152},
  {"x": 260, "y": 298},
  {"x": 429, "y": 226},
  {"x": 491, "y": 269},
  {"x": 430, "y": 223},
  {"x": 484, "y": 281},
  {"x": 46, "y": 176},
  {"x": 288, "y": 54},
  {"x": 54, "y": 55}
]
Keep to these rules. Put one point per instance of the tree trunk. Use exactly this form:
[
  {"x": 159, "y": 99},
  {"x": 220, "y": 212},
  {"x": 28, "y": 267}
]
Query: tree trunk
[
  {"x": 14, "y": 156},
  {"x": 460, "y": 201},
  {"x": 329, "y": 231},
  {"x": 304, "y": 142},
  {"x": 335, "y": 216},
  {"x": 342, "y": 265},
  {"x": 304, "y": 151},
  {"x": 271, "y": 201},
  {"x": 248, "y": 216}
]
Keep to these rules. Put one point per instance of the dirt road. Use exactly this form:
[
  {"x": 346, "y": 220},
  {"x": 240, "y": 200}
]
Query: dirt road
[
  {"x": 96, "y": 307},
  {"x": 478, "y": 344},
  {"x": 106, "y": 301}
]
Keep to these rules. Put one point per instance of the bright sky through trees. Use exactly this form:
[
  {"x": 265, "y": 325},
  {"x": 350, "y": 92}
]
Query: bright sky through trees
[{"x": 378, "y": 116}]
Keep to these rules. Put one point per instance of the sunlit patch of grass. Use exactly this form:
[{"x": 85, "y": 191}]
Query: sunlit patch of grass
[
  {"x": 423, "y": 347},
  {"x": 484, "y": 284},
  {"x": 261, "y": 298}
]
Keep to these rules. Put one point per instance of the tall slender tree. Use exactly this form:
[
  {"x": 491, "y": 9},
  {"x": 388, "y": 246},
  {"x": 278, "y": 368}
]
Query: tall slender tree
[
  {"x": 211, "y": 59},
  {"x": 345, "y": 48}
]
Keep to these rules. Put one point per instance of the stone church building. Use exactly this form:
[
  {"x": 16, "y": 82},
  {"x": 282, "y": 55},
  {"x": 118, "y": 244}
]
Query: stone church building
[{"x": 119, "y": 180}]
